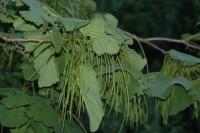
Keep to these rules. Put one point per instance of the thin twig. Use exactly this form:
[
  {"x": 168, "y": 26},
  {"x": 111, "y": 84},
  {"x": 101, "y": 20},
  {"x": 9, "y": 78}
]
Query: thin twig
[
  {"x": 17, "y": 49},
  {"x": 184, "y": 42},
  {"x": 6, "y": 39},
  {"x": 139, "y": 39},
  {"x": 150, "y": 41}
]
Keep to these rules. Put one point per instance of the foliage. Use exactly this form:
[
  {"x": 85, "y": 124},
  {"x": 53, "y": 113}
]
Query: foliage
[{"x": 78, "y": 64}]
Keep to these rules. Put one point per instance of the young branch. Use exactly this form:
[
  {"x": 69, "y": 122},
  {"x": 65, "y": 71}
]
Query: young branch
[
  {"x": 150, "y": 41},
  {"x": 15, "y": 40},
  {"x": 184, "y": 42},
  {"x": 17, "y": 49},
  {"x": 4, "y": 39},
  {"x": 142, "y": 40}
]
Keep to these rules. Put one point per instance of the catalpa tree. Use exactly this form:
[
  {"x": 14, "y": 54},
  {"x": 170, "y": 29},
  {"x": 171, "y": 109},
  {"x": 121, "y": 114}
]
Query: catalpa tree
[{"x": 78, "y": 67}]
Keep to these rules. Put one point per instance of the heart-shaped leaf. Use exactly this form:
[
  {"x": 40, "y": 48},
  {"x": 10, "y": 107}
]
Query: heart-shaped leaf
[
  {"x": 90, "y": 92},
  {"x": 186, "y": 60},
  {"x": 161, "y": 86},
  {"x": 13, "y": 117}
]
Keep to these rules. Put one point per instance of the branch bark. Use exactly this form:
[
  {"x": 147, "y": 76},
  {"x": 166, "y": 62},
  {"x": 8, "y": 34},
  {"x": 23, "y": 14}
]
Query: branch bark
[
  {"x": 142, "y": 40},
  {"x": 17, "y": 49},
  {"x": 149, "y": 41},
  {"x": 183, "y": 42},
  {"x": 15, "y": 40}
]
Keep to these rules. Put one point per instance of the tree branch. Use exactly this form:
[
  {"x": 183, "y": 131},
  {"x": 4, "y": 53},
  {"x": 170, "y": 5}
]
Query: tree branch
[
  {"x": 12, "y": 40},
  {"x": 17, "y": 49},
  {"x": 142, "y": 40},
  {"x": 148, "y": 41},
  {"x": 186, "y": 43}
]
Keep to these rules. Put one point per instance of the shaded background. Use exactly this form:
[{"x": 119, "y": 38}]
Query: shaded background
[{"x": 154, "y": 17}]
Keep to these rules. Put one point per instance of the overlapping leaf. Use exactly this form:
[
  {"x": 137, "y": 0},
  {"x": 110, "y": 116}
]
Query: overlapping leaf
[
  {"x": 42, "y": 112},
  {"x": 29, "y": 72},
  {"x": 181, "y": 100},
  {"x": 90, "y": 92},
  {"x": 71, "y": 24},
  {"x": 69, "y": 127},
  {"x": 186, "y": 60},
  {"x": 23, "y": 129},
  {"x": 6, "y": 19},
  {"x": 56, "y": 40},
  {"x": 12, "y": 117},
  {"x": 16, "y": 101},
  {"x": 101, "y": 42},
  {"x": 46, "y": 67},
  {"x": 8, "y": 91},
  {"x": 36, "y": 13},
  {"x": 161, "y": 87},
  {"x": 133, "y": 62},
  {"x": 38, "y": 127},
  {"x": 21, "y": 25}
]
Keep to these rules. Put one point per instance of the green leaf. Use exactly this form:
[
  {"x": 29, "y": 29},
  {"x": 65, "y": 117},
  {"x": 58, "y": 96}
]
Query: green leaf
[
  {"x": 134, "y": 60},
  {"x": 90, "y": 92},
  {"x": 190, "y": 37},
  {"x": 40, "y": 99},
  {"x": 110, "y": 20},
  {"x": 8, "y": 91},
  {"x": 127, "y": 40},
  {"x": 121, "y": 38},
  {"x": 181, "y": 101},
  {"x": 57, "y": 40},
  {"x": 105, "y": 45},
  {"x": 134, "y": 88},
  {"x": 42, "y": 55},
  {"x": 36, "y": 13},
  {"x": 44, "y": 113},
  {"x": 30, "y": 46},
  {"x": 36, "y": 35},
  {"x": 95, "y": 27},
  {"x": 29, "y": 72},
  {"x": 71, "y": 24},
  {"x": 21, "y": 25},
  {"x": 5, "y": 19},
  {"x": 13, "y": 117},
  {"x": 33, "y": 4},
  {"x": 48, "y": 74},
  {"x": 32, "y": 17},
  {"x": 16, "y": 101},
  {"x": 19, "y": 3},
  {"x": 161, "y": 86},
  {"x": 195, "y": 91},
  {"x": 23, "y": 129},
  {"x": 40, "y": 128},
  {"x": 101, "y": 42},
  {"x": 186, "y": 60},
  {"x": 46, "y": 67},
  {"x": 60, "y": 59},
  {"x": 68, "y": 127},
  {"x": 41, "y": 49}
]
